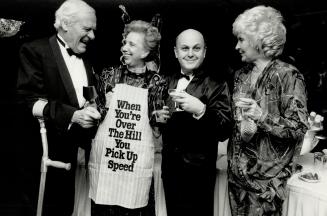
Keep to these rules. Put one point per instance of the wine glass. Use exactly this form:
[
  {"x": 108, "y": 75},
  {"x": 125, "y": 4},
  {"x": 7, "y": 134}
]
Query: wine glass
[
  {"x": 236, "y": 99},
  {"x": 90, "y": 94},
  {"x": 159, "y": 105},
  {"x": 317, "y": 126},
  {"x": 176, "y": 106},
  {"x": 318, "y": 161},
  {"x": 321, "y": 135}
]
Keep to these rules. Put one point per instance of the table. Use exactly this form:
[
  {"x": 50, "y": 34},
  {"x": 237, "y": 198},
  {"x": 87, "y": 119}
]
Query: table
[{"x": 306, "y": 198}]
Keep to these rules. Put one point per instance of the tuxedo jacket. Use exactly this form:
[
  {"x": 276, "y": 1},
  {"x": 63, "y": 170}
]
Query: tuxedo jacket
[
  {"x": 191, "y": 142},
  {"x": 44, "y": 74},
  {"x": 190, "y": 146}
]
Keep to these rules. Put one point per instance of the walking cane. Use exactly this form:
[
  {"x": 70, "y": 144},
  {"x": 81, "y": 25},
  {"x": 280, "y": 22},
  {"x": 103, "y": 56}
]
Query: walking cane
[{"x": 45, "y": 162}]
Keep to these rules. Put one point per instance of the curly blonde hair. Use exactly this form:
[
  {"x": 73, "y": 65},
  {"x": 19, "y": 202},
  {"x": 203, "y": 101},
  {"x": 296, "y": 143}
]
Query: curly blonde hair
[{"x": 264, "y": 25}]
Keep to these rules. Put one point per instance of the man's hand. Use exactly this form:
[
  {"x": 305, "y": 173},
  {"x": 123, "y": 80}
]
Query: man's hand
[
  {"x": 188, "y": 102},
  {"x": 90, "y": 104},
  {"x": 87, "y": 117}
]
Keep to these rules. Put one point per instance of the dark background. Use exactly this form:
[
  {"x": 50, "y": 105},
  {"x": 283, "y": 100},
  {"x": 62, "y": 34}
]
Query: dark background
[{"x": 20, "y": 145}]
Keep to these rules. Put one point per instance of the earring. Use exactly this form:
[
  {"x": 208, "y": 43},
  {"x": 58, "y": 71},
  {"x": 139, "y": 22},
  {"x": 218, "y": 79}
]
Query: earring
[{"x": 122, "y": 60}]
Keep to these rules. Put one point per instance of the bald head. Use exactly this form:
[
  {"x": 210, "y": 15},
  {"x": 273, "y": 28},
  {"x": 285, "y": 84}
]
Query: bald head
[
  {"x": 190, "y": 50},
  {"x": 190, "y": 34}
]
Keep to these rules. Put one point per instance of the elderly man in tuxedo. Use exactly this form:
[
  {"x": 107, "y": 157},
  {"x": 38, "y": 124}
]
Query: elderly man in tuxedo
[{"x": 55, "y": 70}]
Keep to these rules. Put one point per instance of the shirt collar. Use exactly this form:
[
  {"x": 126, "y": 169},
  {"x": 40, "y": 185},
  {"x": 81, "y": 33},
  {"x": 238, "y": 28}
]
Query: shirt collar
[
  {"x": 188, "y": 77},
  {"x": 62, "y": 41},
  {"x": 68, "y": 49}
]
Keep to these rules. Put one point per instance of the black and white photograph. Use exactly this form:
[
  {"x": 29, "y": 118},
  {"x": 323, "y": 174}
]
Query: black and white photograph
[{"x": 163, "y": 108}]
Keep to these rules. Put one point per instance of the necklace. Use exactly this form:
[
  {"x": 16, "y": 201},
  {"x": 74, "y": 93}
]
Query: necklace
[
  {"x": 137, "y": 70},
  {"x": 255, "y": 73}
]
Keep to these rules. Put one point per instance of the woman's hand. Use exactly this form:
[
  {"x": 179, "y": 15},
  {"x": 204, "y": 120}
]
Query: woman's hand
[
  {"x": 162, "y": 115},
  {"x": 250, "y": 108},
  {"x": 315, "y": 122}
]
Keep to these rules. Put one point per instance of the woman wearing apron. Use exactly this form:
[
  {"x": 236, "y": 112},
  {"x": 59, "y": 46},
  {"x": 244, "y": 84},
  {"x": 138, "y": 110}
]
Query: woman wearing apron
[{"x": 122, "y": 155}]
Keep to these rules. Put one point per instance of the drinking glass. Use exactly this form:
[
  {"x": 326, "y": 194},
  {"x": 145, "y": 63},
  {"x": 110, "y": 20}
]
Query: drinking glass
[
  {"x": 318, "y": 161},
  {"x": 239, "y": 110},
  {"x": 320, "y": 133},
  {"x": 176, "y": 105},
  {"x": 159, "y": 105},
  {"x": 324, "y": 162}
]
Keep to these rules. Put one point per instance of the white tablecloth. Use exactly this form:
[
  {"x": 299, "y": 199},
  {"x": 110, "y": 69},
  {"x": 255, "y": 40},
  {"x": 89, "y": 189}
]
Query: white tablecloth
[
  {"x": 304, "y": 198},
  {"x": 221, "y": 199}
]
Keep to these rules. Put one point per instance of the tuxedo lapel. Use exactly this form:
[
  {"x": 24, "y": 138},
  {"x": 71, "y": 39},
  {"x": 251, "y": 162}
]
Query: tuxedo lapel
[
  {"x": 174, "y": 81},
  {"x": 89, "y": 72},
  {"x": 63, "y": 71}
]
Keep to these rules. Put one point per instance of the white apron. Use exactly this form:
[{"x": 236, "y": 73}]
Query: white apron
[{"x": 122, "y": 154}]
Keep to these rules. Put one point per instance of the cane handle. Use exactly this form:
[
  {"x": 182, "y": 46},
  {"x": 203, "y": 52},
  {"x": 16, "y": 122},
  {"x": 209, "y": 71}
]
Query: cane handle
[
  {"x": 38, "y": 107},
  {"x": 58, "y": 164},
  {"x": 37, "y": 111}
]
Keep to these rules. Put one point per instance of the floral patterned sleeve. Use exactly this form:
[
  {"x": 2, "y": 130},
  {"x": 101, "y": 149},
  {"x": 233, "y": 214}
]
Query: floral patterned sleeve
[
  {"x": 285, "y": 111},
  {"x": 157, "y": 88},
  {"x": 105, "y": 83}
]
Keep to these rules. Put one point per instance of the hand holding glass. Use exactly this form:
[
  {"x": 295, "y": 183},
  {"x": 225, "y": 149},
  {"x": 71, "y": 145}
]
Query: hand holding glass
[
  {"x": 174, "y": 94},
  {"x": 162, "y": 115},
  {"x": 243, "y": 104},
  {"x": 161, "y": 111},
  {"x": 249, "y": 108},
  {"x": 315, "y": 122}
]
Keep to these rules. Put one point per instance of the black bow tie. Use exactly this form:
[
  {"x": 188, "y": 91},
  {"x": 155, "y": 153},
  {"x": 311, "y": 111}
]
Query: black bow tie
[
  {"x": 69, "y": 50},
  {"x": 71, "y": 53},
  {"x": 185, "y": 76}
]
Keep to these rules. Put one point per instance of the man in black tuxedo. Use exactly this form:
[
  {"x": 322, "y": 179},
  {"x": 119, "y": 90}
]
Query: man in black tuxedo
[
  {"x": 55, "y": 69},
  {"x": 193, "y": 129}
]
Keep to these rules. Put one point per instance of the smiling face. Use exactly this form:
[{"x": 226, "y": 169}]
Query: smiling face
[
  {"x": 246, "y": 49},
  {"x": 133, "y": 49},
  {"x": 80, "y": 32},
  {"x": 190, "y": 50}
]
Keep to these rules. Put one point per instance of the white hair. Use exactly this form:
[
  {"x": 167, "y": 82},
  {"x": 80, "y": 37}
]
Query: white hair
[
  {"x": 69, "y": 10},
  {"x": 265, "y": 25}
]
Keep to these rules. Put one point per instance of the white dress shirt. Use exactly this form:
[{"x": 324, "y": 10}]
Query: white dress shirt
[
  {"x": 182, "y": 85},
  {"x": 183, "y": 82},
  {"x": 76, "y": 70}
]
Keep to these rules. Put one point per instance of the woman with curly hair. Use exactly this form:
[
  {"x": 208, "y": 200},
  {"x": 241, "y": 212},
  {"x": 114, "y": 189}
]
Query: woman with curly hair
[
  {"x": 270, "y": 113},
  {"x": 122, "y": 155}
]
